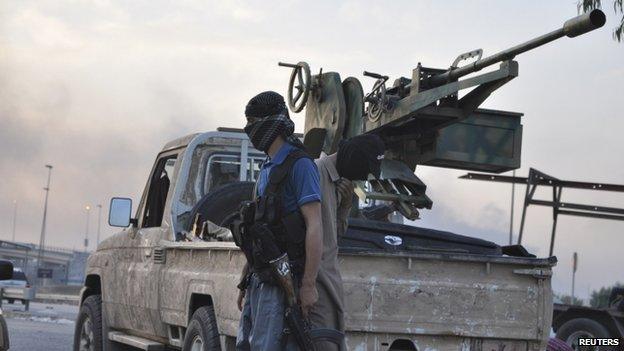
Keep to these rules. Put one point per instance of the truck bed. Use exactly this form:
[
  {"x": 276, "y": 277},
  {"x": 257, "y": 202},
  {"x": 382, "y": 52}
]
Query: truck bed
[
  {"x": 435, "y": 289},
  {"x": 439, "y": 289}
]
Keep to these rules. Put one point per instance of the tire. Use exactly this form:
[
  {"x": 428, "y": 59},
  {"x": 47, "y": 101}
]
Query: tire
[
  {"x": 571, "y": 330},
  {"x": 202, "y": 333},
  {"x": 88, "y": 332},
  {"x": 4, "y": 335},
  {"x": 220, "y": 203}
]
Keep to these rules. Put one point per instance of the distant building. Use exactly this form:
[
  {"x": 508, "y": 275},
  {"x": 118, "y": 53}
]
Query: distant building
[{"x": 59, "y": 266}]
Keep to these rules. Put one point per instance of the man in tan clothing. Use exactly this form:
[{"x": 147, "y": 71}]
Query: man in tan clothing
[{"x": 355, "y": 160}]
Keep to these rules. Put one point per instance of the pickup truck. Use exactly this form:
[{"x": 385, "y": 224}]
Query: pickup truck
[{"x": 406, "y": 287}]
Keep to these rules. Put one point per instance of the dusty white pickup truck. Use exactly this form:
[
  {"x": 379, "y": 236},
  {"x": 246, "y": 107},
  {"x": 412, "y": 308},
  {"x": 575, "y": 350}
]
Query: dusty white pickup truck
[{"x": 406, "y": 288}]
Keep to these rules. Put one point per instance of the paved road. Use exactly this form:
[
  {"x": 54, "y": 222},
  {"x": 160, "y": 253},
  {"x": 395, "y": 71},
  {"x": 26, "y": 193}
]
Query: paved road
[
  {"x": 44, "y": 327},
  {"x": 30, "y": 334}
]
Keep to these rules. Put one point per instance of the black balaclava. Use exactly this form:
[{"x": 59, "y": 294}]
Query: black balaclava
[
  {"x": 360, "y": 156},
  {"x": 271, "y": 119}
]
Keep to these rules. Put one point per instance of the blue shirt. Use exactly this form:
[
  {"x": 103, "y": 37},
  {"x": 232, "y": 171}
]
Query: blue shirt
[{"x": 302, "y": 185}]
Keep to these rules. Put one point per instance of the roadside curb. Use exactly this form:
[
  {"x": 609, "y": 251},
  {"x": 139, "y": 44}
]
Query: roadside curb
[
  {"x": 36, "y": 317},
  {"x": 17, "y": 314},
  {"x": 60, "y": 301},
  {"x": 57, "y": 298}
]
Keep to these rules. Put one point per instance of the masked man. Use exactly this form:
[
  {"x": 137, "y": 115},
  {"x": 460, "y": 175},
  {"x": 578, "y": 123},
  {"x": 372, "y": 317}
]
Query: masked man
[
  {"x": 288, "y": 203},
  {"x": 355, "y": 160}
]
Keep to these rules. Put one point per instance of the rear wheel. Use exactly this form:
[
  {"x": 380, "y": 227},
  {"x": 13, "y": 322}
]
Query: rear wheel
[
  {"x": 575, "y": 329},
  {"x": 202, "y": 333},
  {"x": 88, "y": 332}
]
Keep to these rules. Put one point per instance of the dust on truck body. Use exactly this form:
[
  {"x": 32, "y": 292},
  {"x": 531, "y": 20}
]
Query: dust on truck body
[{"x": 433, "y": 291}]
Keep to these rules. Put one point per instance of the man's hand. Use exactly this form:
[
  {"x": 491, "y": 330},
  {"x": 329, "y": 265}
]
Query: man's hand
[
  {"x": 241, "y": 299},
  {"x": 308, "y": 295},
  {"x": 344, "y": 188}
]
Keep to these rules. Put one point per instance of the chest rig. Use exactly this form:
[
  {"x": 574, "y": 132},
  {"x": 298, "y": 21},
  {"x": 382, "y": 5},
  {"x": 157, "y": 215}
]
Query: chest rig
[{"x": 269, "y": 231}]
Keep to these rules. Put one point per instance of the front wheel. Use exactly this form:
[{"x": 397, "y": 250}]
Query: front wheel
[
  {"x": 202, "y": 333},
  {"x": 4, "y": 334},
  {"x": 88, "y": 332}
]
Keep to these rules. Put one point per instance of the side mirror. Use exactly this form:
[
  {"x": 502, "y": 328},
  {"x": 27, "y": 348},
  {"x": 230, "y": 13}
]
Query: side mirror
[
  {"x": 120, "y": 212},
  {"x": 6, "y": 270}
]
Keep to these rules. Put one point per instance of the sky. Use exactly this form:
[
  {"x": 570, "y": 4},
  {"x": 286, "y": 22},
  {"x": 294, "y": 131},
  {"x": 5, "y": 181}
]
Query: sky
[{"x": 96, "y": 88}]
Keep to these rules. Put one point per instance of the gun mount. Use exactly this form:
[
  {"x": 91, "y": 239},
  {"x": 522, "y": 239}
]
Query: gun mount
[
  {"x": 437, "y": 87},
  {"x": 422, "y": 119}
]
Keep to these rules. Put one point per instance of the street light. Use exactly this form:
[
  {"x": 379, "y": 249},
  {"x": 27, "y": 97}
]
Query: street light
[
  {"x": 98, "y": 226},
  {"x": 86, "y": 240},
  {"x": 43, "y": 224}
]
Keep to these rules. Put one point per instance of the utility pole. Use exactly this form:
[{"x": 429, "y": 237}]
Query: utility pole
[
  {"x": 97, "y": 241},
  {"x": 14, "y": 218},
  {"x": 511, "y": 217},
  {"x": 86, "y": 240},
  {"x": 574, "y": 266},
  {"x": 43, "y": 224}
]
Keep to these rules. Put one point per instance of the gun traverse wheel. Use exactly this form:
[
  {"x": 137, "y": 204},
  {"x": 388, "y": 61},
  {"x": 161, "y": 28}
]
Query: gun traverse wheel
[
  {"x": 301, "y": 77},
  {"x": 377, "y": 98},
  {"x": 376, "y": 106},
  {"x": 88, "y": 332},
  {"x": 202, "y": 333}
]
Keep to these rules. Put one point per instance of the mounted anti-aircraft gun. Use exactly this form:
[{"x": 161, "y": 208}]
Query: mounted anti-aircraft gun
[{"x": 422, "y": 119}]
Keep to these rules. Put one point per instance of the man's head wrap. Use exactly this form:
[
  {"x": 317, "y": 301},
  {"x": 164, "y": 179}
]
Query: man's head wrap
[
  {"x": 360, "y": 156},
  {"x": 271, "y": 120}
]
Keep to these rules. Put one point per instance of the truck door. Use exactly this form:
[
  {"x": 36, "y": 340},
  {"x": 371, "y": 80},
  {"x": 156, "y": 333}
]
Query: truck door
[{"x": 140, "y": 277}]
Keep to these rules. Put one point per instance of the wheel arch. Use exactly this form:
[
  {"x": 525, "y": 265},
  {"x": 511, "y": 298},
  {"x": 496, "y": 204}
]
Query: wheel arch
[
  {"x": 196, "y": 301},
  {"x": 92, "y": 286}
]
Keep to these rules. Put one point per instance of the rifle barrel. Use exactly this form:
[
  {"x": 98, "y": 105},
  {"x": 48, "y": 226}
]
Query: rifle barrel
[{"x": 571, "y": 28}]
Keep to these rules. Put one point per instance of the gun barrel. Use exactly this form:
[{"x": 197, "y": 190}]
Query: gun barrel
[{"x": 571, "y": 28}]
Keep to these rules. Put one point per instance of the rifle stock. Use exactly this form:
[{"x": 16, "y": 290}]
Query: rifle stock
[{"x": 297, "y": 324}]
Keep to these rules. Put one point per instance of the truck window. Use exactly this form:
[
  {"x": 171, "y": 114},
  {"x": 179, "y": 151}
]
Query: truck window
[
  {"x": 158, "y": 190},
  {"x": 209, "y": 170},
  {"x": 224, "y": 168}
]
